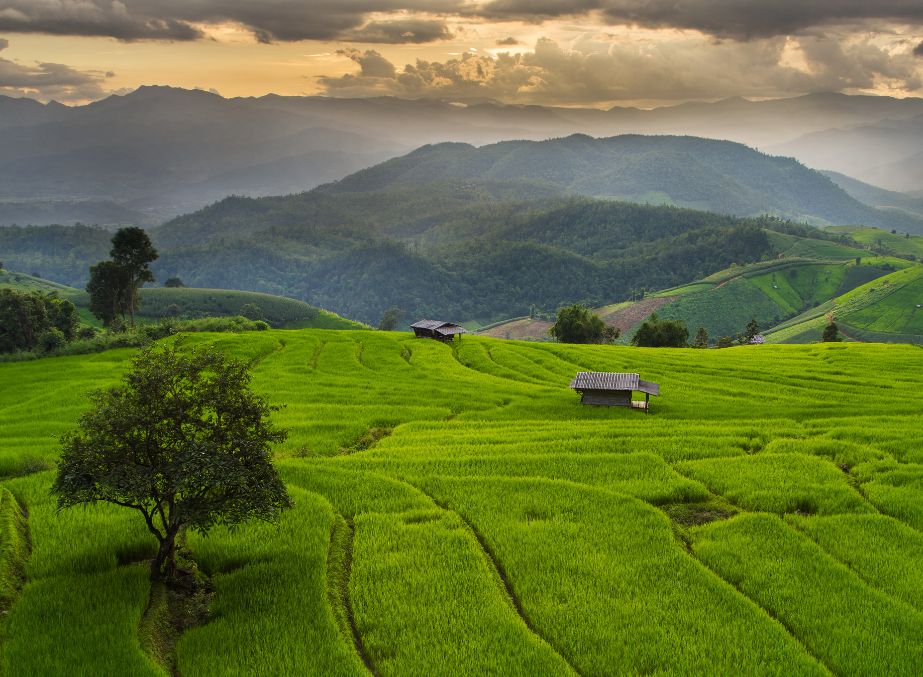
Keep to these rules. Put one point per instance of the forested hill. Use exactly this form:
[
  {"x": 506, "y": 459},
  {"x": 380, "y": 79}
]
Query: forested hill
[
  {"x": 718, "y": 176},
  {"x": 490, "y": 260}
]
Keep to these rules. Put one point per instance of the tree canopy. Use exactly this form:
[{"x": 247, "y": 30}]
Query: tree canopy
[
  {"x": 29, "y": 320},
  {"x": 576, "y": 324},
  {"x": 831, "y": 333},
  {"x": 390, "y": 319},
  {"x": 657, "y": 333},
  {"x": 183, "y": 441},
  {"x": 114, "y": 284}
]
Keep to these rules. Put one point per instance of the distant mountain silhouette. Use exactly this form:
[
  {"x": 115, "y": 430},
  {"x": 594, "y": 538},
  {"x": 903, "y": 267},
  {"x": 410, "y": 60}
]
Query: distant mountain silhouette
[{"x": 162, "y": 151}]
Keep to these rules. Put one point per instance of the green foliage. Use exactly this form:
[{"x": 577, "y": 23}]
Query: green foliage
[
  {"x": 252, "y": 312},
  {"x": 114, "y": 284},
  {"x": 470, "y": 251},
  {"x": 34, "y": 320},
  {"x": 657, "y": 333},
  {"x": 205, "y": 458},
  {"x": 52, "y": 339},
  {"x": 390, "y": 319},
  {"x": 110, "y": 292},
  {"x": 831, "y": 333},
  {"x": 173, "y": 282},
  {"x": 701, "y": 338},
  {"x": 576, "y": 324},
  {"x": 725, "y": 342}
]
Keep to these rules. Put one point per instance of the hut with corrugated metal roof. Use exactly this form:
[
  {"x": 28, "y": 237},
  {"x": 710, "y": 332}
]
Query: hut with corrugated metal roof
[
  {"x": 437, "y": 329},
  {"x": 612, "y": 389}
]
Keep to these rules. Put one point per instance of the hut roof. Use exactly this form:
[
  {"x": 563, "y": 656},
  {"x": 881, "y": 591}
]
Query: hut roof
[
  {"x": 604, "y": 380},
  {"x": 431, "y": 324}
]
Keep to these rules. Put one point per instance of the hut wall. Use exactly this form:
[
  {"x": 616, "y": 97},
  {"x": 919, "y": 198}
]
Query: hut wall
[{"x": 607, "y": 398}]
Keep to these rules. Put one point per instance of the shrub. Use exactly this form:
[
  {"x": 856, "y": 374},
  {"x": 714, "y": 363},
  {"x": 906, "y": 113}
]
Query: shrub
[
  {"x": 576, "y": 324},
  {"x": 657, "y": 333},
  {"x": 52, "y": 339}
]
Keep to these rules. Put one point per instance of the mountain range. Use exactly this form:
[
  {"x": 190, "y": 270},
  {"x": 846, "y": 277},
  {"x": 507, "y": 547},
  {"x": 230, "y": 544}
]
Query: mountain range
[
  {"x": 482, "y": 233},
  {"x": 158, "y": 152}
]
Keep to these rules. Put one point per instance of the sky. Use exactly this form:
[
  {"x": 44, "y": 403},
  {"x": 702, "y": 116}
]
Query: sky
[{"x": 597, "y": 53}]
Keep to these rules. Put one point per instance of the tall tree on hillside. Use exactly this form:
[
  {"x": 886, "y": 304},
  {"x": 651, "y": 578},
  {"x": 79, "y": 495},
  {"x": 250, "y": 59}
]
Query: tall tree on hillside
[
  {"x": 831, "y": 333},
  {"x": 114, "y": 284},
  {"x": 184, "y": 442},
  {"x": 133, "y": 251},
  {"x": 576, "y": 324},
  {"x": 109, "y": 289}
]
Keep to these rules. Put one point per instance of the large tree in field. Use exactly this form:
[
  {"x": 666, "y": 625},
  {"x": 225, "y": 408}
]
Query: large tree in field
[
  {"x": 576, "y": 324},
  {"x": 183, "y": 441}
]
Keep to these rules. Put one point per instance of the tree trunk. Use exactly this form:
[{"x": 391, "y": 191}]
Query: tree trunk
[{"x": 164, "y": 565}]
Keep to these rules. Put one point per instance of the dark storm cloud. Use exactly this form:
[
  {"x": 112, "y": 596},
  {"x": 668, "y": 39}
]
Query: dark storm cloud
[
  {"x": 918, "y": 50},
  {"x": 48, "y": 81},
  {"x": 268, "y": 20},
  {"x": 739, "y": 19}
]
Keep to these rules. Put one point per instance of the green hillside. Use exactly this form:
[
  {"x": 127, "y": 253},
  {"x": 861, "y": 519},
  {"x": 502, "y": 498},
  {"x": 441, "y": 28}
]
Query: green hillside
[
  {"x": 192, "y": 303},
  {"x": 761, "y": 520},
  {"x": 775, "y": 293},
  {"x": 184, "y": 302},
  {"x": 29, "y": 283},
  {"x": 887, "y": 309},
  {"x": 489, "y": 260},
  {"x": 479, "y": 234},
  {"x": 895, "y": 243},
  {"x": 718, "y": 176},
  {"x": 879, "y": 197}
]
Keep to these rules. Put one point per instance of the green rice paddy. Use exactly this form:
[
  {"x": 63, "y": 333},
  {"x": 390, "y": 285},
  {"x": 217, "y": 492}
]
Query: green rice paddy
[{"x": 457, "y": 511}]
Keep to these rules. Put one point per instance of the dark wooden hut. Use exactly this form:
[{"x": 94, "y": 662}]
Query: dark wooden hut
[
  {"x": 608, "y": 389},
  {"x": 436, "y": 329}
]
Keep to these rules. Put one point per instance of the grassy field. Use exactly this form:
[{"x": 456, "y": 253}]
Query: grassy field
[{"x": 457, "y": 511}]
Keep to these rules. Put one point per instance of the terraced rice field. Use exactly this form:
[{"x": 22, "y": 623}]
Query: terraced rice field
[{"x": 457, "y": 511}]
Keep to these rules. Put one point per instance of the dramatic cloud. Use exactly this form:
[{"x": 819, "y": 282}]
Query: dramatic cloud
[
  {"x": 598, "y": 71},
  {"x": 918, "y": 50},
  {"x": 400, "y": 31},
  {"x": 46, "y": 81},
  {"x": 268, "y": 21},
  {"x": 373, "y": 65},
  {"x": 508, "y": 42},
  {"x": 740, "y": 19}
]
